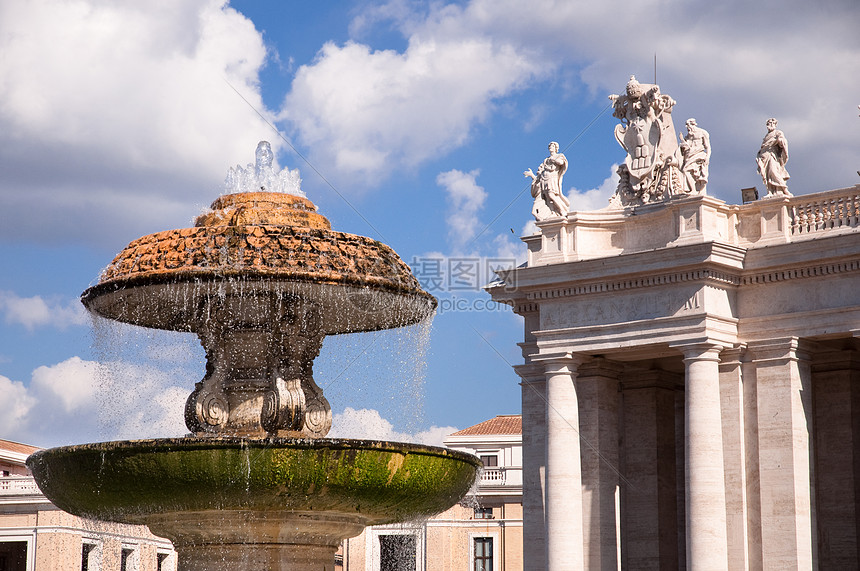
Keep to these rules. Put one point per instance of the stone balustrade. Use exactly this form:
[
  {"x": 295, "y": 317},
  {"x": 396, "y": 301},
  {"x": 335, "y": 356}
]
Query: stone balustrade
[
  {"x": 18, "y": 485},
  {"x": 694, "y": 219},
  {"x": 817, "y": 213},
  {"x": 509, "y": 477},
  {"x": 492, "y": 476}
]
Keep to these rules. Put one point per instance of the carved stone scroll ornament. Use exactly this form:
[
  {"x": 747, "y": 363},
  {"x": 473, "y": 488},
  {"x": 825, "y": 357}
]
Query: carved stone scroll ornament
[
  {"x": 298, "y": 337},
  {"x": 651, "y": 168},
  {"x": 259, "y": 370},
  {"x": 207, "y": 408}
]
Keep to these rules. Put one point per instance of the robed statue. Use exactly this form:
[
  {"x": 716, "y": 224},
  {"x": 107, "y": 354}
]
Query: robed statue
[
  {"x": 771, "y": 159},
  {"x": 547, "y": 185}
]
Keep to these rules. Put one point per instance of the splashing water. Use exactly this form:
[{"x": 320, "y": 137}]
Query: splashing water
[
  {"x": 142, "y": 380},
  {"x": 261, "y": 176},
  {"x": 358, "y": 372}
]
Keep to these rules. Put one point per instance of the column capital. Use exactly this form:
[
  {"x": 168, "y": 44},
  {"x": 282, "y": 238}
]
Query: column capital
[
  {"x": 705, "y": 351},
  {"x": 734, "y": 355},
  {"x": 781, "y": 349},
  {"x": 561, "y": 362},
  {"x": 530, "y": 372}
]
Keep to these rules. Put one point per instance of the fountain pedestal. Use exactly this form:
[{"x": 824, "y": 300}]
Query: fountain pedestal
[
  {"x": 259, "y": 380},
  {"x": 284, "y": 540}
]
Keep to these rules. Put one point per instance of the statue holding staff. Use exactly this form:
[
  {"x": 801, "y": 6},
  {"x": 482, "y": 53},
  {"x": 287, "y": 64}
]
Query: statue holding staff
[{"x": 547, "y": 185}]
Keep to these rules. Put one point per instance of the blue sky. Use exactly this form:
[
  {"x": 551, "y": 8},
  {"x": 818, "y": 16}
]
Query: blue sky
[{"x": 119, "y": 119}]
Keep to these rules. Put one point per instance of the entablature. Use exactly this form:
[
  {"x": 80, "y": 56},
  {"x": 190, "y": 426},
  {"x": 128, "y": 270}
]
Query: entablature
[{"x": 778, "y": 219}]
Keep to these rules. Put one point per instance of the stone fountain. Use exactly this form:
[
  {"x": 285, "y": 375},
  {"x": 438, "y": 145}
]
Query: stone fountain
[{"x": 261, "y": 279}]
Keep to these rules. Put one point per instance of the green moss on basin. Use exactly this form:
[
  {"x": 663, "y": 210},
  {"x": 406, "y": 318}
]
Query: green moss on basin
[{"x": 125, "y": 481}]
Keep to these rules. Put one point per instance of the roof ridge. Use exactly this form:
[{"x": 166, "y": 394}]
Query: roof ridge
[{"x": 499, "y": 424}]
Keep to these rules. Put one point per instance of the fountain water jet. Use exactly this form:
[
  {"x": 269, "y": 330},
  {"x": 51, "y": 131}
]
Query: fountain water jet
[{"x": 261, "y": 279}]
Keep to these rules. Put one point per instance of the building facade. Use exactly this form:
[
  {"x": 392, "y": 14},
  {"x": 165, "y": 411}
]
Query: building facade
[
  {"x": 481, "y": 533},
  {"x": 691, "y": 385},
  {"x": 35, "y": 535}
]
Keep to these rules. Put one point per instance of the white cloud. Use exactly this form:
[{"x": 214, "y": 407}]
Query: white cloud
[
  {"x": 363, "y": 110},
  {"x": 35, "y": 311},
  {"x": 529, "y": 228},
  {"x": 509, "y": 247},
  {"x": 17, "y": 404},
  {"x": 369, "y": 424},
  {"x": 594, "y": 198},
  {"x": 465, "y": 199},
  {"x": 116, "y": 111},
  {"x": 82, "y": 401},
  {"x": 71, "y": 384},
  {"x": 117, "y": 117},
  {"x": 730, "y": 64}
]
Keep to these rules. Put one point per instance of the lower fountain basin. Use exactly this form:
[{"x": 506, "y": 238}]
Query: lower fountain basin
[
  {"x": 215, "y": 498},
  {"x": 126, "y": 481}
]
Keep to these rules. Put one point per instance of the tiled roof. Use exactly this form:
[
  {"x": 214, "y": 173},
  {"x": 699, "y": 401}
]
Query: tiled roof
[
  {"x": 502, "y": 424},
  {"x": 10, "y": 446}
]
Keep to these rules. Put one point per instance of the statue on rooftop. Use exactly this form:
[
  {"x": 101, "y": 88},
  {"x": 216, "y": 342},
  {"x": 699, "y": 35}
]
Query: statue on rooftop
[
  {"x": 651, "y": 169},
  {"x": 547, "y": 185},
  {"x": 771, "y": 159},
  {"x": 696, "y": 155}
]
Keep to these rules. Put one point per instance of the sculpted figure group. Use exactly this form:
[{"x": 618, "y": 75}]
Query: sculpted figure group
[
  {"x": 657, "y": 166},
  {"x": 650, "y": 171}
]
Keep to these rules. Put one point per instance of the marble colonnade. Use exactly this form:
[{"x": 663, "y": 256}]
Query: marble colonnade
[{"x": 690, "y": 385}]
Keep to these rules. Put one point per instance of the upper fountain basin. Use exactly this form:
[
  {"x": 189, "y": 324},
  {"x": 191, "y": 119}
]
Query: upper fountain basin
[{"x": 259, "y": 244}]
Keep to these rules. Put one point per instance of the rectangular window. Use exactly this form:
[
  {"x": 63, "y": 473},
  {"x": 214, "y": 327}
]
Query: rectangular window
[
  {"x": 13, "y": 555},
  {"x": 397, "y": 552},
  {"x": 125, "y": 560},
  {"x": 483, "y": 554},
  {"x": 490, "y": 460},
  {"x": 86, "y": 553},
  {"x": 482, "y": 512}
]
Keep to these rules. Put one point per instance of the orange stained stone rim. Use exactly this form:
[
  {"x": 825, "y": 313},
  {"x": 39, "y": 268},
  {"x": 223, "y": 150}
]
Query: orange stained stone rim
[
  {"x": 265, "y": 234},
  {"x": 257, "y": 236}
]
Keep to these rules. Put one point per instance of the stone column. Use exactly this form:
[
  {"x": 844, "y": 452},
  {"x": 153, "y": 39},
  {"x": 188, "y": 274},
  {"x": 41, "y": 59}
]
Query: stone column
[
  {"x": 649, "y": 527},
  {"x": 734, "y": 456},
  {"x": 836, "y": 380},
  {"x": 751, "y": 458},
  {"x": 534, "y": 464},
  {"x": 784, "y": 426},
  {"x": 705, "y": 477},
  {"x": 563, "y": 467},
  {"x": 598, "y": 390}
]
